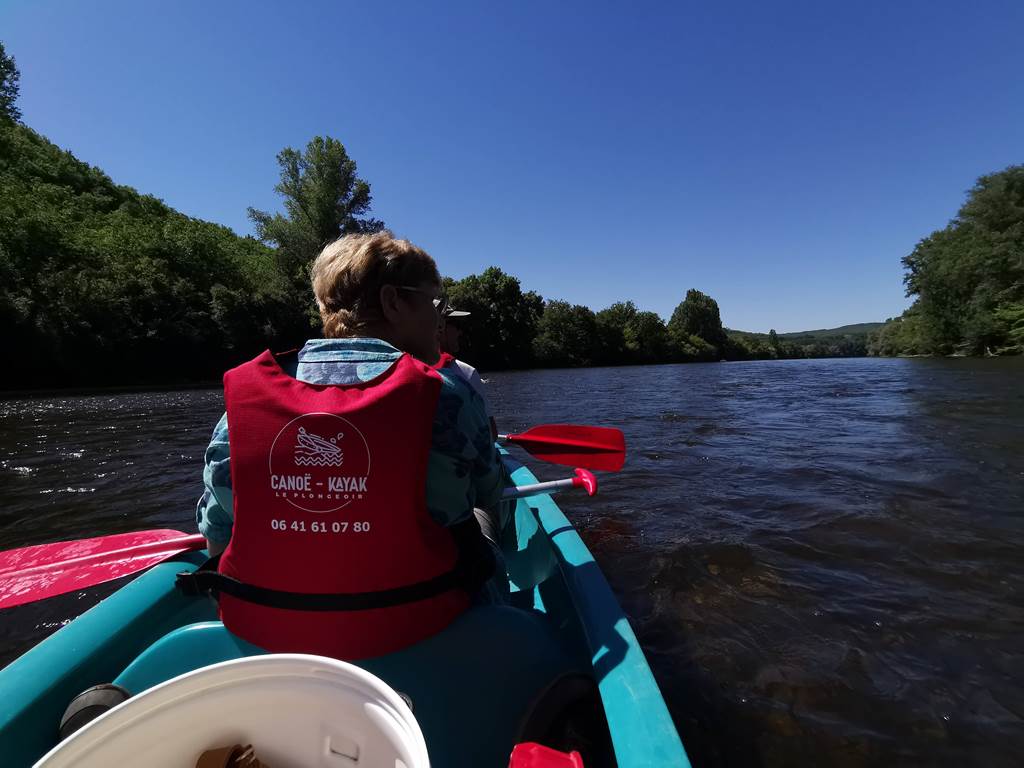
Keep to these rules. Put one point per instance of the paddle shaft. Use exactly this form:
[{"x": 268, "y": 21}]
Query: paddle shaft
[
  {"x": 552, "y": 486},
  {"x": 556, "y": 442}
]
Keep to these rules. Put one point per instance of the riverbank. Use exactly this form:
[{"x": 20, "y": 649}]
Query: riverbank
[
  {"x": 75, "y": 391},
  {"x": 119, "y": 389}
]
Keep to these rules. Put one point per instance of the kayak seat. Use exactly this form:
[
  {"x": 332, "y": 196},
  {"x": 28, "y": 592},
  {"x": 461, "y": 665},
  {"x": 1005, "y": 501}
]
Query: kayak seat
[
  {"x": 183, "y": 650},
  {"x": 474, "y": 686}
]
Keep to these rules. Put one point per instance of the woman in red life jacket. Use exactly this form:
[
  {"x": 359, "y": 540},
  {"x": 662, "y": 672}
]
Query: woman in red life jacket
[{"x": 354, "y": 470}]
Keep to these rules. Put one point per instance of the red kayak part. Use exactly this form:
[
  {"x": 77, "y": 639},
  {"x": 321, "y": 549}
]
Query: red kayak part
[
  {"x": 532, "y": 755},
  {"x": 46, "y": 570},
  {"x": 586, "y": 480},
  {"x": 574, "y": 445}
]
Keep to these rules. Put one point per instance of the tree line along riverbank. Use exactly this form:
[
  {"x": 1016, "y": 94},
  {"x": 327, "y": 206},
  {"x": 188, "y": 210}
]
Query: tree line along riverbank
[{"x": 101, "y": 284}]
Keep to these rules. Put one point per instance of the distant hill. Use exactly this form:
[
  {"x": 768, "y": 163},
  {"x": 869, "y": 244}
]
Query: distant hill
[
  {"x": 857, "y": 329},
  {"x": 844, "y": 341},
  {"x": 843, "y": 330}
]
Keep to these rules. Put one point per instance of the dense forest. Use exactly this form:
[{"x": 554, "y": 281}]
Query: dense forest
[
  {"x": 100, "y": 284},
  {"x": 968, "y": 279}
]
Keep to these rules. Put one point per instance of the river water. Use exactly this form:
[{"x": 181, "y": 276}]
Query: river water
[{"x": 822, "y": 559}]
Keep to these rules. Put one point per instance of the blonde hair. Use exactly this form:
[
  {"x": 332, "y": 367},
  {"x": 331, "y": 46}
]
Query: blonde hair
[{"x": 348, "y": 274}]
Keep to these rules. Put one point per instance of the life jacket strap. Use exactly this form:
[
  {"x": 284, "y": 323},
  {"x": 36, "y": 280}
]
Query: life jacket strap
[{"x": 208, "y": 580}]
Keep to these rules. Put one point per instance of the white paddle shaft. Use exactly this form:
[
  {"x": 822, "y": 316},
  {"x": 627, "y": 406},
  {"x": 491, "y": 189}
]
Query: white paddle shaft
[{"x": 552, "y": 486}]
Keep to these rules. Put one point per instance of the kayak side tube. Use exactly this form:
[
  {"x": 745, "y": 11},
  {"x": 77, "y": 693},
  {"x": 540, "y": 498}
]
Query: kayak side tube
[
  {"x": 36, "y": 687},
  {"x": 641, "y": 728}
]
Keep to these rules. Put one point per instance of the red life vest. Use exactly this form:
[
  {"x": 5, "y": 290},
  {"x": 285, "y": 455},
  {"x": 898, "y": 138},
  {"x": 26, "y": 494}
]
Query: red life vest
[
  {"x": 329, "y": 499},
  {"x": 444, "y": 360}
]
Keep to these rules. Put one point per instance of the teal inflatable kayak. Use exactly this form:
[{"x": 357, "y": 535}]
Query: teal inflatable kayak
[{"x": 560, "y": 666}]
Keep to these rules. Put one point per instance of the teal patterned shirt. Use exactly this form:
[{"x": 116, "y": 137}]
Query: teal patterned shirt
[{"x": 463, "y": 469}]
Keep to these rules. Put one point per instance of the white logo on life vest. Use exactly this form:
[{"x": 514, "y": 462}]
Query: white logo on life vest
[
  {"x": 305, "y": 458},
  {"x": 313, "y": 451}
]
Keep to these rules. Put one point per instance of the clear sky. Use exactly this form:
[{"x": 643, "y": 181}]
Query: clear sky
[{"x": 780, "y": 156}]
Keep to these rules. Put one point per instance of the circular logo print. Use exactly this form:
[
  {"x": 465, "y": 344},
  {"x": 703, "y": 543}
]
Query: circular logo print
[{"x": 319, "y": 462}]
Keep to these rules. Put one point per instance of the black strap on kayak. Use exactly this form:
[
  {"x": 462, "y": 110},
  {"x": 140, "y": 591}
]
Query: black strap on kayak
[{"x": 206, "y": 579}]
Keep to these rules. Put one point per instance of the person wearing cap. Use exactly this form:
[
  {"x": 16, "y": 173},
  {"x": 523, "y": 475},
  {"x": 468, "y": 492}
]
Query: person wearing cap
[
  {"x": 449, "y": 339},
  {"x": 491, "y": 517}
]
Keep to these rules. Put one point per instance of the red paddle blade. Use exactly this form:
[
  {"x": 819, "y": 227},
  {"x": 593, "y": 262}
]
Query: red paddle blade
[
  {"x": 46, "y": 570},
  {"x": 575, "y": 445}
]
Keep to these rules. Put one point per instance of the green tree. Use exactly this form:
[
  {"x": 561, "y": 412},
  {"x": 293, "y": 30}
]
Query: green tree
[
  {"x": 626, "y": 335},
  {"x": 324, "y": 198},
  {"x": 647, "y": 337},
  {"x": 693, "y": 349},
  {"x": 566, "y": 335},
  {"x": 967, "y": 277},
  {"x": 502, "y": 324},
  {"x": 697, "y": 315},
  {"x": 1011, "y": 318},
  {"x": 899, "y": 336},
  {"x": 9, "y": 77},
  {"x": 612, "y": 322},
  {"x": 99, "y": 284}
]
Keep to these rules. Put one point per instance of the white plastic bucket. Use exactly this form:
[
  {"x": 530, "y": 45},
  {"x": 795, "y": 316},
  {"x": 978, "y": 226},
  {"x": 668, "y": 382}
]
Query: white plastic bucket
[{"x": 297, "y": 711}]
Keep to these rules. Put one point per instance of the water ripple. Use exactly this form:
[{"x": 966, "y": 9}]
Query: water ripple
[{"x": 821, "y": 558}]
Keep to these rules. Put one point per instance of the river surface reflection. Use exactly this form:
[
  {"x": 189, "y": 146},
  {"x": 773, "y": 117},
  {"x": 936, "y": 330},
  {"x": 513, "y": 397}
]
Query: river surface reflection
[{"x": 822, "y": 559}]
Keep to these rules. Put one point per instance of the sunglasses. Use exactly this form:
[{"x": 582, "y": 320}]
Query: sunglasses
[{"x": 440, "y": 302}]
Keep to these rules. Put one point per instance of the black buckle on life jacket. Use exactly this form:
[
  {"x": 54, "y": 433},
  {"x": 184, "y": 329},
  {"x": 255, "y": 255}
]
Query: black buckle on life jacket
[{"x": 196, "y": 583}]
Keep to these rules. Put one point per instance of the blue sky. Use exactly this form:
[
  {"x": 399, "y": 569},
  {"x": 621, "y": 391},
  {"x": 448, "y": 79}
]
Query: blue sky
[{"x": 779, "y": 156}]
